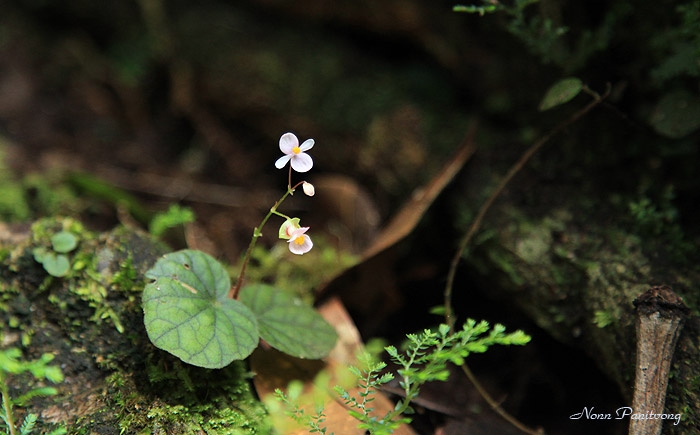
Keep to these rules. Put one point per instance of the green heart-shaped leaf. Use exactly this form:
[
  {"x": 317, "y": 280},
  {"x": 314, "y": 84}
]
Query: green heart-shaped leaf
[
  {"x": 39, "y": 254},
  {"x": 187, "y": 311},
  {"x": 56, "y": 265},
  {"x": 64, "y": 242},
  {"x": 288, "y": 324}
]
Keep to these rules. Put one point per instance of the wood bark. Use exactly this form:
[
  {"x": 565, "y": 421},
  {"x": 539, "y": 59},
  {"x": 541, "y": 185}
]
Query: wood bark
[
  {"x": 575, "y": 270},
  {"x": 660, "y": 315}
]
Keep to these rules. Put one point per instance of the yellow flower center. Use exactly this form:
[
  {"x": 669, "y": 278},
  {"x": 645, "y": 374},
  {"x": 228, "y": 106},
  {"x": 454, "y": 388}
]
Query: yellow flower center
[
  {"x": 296, "y": 150},
  {"x": 299, "y": 240}
]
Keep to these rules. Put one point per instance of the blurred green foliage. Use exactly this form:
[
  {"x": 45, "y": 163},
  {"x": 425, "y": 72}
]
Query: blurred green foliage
[
  {"x": 297, "y": 274},
  {"x": 12, "y": 365},
  {"x": 176, "y": 215}
]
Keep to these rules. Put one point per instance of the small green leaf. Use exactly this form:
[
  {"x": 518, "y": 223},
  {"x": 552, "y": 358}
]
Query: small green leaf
[
  {"x": 39, "y": 254},
  {"x": 187, "y": 311},
  {"x": 64, "y": 242},
  {"x": 28, "y": 424},
  {"x": 677, "y": 114},
  {"x": 444, "y": 329},
  {"x": 174, "y": 216},
  {"x": 56, "y": 265},
  {"x": 561, "y": 92},
  {"x": 471, "y": 9},
  {"x": 24, "y": 399},
  {"x": 53, "y": 374},
  {"x": 287, "y": 324},
  {"x": 438, "y": 310}
]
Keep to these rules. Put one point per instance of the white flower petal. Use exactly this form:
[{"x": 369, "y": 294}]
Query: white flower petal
[
  {"x": 287, "y": 142},
  {"x": 298, "y": 231},
  {"x": 282, "y": 161},
  {"x": 307, "y": 145},
  {"x": 302, "y": 162},
  {"x": 300, "y": 248}
]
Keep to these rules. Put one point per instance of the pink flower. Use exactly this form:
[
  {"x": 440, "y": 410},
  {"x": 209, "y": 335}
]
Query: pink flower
[
  {"x": 288, "y": 227},
  {"x": 299, "y": 242},
  {"x": 289, "y": 145}
]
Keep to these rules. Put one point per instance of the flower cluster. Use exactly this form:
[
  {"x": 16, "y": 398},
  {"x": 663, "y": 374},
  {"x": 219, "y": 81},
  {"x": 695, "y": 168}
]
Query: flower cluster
[{"x": 295, "y": 154}]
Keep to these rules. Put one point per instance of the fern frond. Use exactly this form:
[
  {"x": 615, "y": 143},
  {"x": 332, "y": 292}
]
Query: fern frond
[{"x": 28, "y": 424}]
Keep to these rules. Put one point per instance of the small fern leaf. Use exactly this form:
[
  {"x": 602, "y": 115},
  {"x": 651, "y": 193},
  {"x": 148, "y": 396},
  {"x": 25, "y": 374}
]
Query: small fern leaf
[{"x": 28, "y": 424}]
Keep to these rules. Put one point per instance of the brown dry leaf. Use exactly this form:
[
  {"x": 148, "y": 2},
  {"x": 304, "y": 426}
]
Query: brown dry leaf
[
  {"x": 368, "y": 288},
  {"x": 275, "y": 370},
  {"x": 412, "y": 211}
]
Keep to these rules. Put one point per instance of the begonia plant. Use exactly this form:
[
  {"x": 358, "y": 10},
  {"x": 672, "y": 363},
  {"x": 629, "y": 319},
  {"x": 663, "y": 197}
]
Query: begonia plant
[{"x": 192, "y": 311}]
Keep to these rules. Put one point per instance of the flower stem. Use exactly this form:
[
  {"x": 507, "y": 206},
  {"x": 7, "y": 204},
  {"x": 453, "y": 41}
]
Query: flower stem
[
  {"x": 257, "y": 232},
  {"x": 281, "y": 214}
]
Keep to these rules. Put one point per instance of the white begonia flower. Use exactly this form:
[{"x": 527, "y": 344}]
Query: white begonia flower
[
  {"x": 289, "y": 145},
  {"x": 309, "y": 189},
  {"x": 299, "y": 242}
]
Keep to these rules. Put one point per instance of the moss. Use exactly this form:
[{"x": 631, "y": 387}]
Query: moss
[
  {"x": 43, "y": 229},
  {"x": 48, "y": 195},
  {"x": 116, "y": 381},
  {"x": 83, "y": 281},
  {"x": 191, "y": 402},
  {"x": 13, "y": 205},
  {"x": 13, "y": 202},
  {"x": 57, "y": 193},
  {"x": 604, "y": 318},
  {"x": 124, "y": 278},
  {"x": 577, "y": 277},
  {"x": 34, "y": 195}
]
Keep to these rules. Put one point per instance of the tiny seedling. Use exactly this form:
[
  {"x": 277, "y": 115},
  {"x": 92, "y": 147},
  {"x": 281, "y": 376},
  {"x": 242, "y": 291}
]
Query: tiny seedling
[
  {"x": 192, "y": 311},
  {"x": 56, "y": 261},
  {"x": 12, "y": 365}
]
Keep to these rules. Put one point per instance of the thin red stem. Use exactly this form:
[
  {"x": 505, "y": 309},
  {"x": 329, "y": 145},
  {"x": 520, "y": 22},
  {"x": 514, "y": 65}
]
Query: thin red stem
[{"x": 257, "y": 232}]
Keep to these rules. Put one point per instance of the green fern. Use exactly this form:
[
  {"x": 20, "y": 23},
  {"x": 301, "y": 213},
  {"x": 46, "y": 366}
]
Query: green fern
[
  {"x": 370, "y": 379},
  {"x": 12, "y": 365},
  {"x": 424, "y": 359},
  {"x": 313, "y": 421},
  {"x": 28, "y": 424}
]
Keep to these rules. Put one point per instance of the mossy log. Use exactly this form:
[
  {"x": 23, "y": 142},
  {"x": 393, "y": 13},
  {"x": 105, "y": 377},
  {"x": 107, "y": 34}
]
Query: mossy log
[
  {"x": 116, "y": 381},
  {"x": 573, "y": 258}
]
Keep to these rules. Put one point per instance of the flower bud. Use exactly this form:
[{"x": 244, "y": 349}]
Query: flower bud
[{"x": 309, "y": 189}]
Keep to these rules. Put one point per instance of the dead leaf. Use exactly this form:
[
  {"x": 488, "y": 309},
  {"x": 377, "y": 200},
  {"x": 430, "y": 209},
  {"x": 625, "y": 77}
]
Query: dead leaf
[
  {"x": 368, "y": 288},
  {"x": 274, "y": 369},
  {"x": 411, "y": 213}
]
